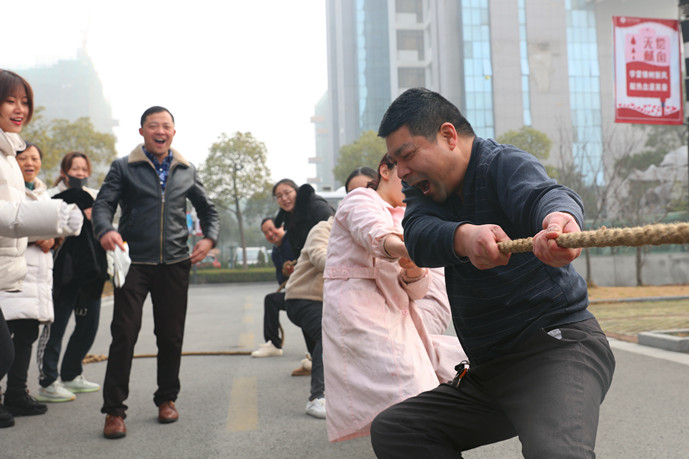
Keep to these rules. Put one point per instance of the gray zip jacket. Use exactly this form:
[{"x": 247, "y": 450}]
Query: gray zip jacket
[{"x": 153, "y": 223}]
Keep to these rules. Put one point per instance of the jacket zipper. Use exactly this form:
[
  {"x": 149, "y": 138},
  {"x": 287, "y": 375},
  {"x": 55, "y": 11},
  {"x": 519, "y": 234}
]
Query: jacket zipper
[{"x": 162, "y": 215}]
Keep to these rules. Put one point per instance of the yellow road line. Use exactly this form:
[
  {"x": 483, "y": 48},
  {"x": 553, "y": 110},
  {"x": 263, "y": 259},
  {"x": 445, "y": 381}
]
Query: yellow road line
[
  {"x": 243, "y": 411},
  {"x": 246, "y": 340}
]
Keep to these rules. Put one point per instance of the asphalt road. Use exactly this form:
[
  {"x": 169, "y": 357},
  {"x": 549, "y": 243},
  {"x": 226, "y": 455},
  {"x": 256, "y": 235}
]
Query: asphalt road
[{"x": 235, "y": 406}]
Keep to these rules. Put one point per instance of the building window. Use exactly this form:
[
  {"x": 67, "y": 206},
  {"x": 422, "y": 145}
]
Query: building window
[
  {"x": 411, "y": 40},
  {"x": 478, "y": 70},
  {"x": 524, "y": 51},
  {"x": 584, "y": 90},
  {"x": 410, "y": 7},
  {"x": 411, "y": 77}
]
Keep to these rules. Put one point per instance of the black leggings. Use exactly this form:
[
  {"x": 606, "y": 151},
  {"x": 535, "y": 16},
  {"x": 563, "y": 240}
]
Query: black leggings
[
  {"x": 24, "y": 334},
  {"x": 6, "y": 347}
]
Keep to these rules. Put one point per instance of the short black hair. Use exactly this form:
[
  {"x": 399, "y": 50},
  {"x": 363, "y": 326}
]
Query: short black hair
[
  {"x": 29, "y": 145},
  {"x": 265, "y": 220},
  {"x": 152, "y": 110},
  {"x": 423, "y": 112}
]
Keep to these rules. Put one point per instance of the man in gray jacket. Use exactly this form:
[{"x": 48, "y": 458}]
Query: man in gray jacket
[{"x": 151, "y": 185}]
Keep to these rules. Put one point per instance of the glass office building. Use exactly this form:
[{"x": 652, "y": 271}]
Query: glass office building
[{"x": 546, "y": 64}]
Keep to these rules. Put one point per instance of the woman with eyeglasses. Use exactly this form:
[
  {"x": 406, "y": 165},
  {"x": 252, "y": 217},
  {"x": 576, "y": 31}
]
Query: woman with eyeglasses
[{"x": 300, "y": 209}]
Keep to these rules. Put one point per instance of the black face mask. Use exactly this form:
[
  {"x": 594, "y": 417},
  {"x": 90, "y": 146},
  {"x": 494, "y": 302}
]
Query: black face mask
[{"x": 74, "y": 182}]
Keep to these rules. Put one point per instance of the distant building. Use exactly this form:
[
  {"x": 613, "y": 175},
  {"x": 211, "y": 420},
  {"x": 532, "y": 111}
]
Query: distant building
[
  {"x": 71, "y": 89},
  {"x": 505, "y": 63},
  {"x": 324, "y": 178}
]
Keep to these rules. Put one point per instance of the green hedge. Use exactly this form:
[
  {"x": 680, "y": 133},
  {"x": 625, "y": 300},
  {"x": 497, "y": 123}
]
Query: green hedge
[{"x": 222, "y": 276}]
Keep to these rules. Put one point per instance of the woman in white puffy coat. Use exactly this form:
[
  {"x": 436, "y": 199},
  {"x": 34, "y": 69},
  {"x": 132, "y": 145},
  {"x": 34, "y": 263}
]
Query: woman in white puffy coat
[
  {"x": 20, "y": 218},
  {"x": 25, "y": 310}
]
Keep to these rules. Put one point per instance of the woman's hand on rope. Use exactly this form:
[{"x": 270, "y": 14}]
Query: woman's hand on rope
[
  {"x": 394, "y": 247},
  {"x": 480, "y": 244},
  {"x": 544, "y": 245},
  {"x": 288, "y": 268}
]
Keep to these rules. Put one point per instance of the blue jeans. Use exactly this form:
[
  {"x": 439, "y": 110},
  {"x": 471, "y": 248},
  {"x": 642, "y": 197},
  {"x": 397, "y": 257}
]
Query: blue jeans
[
  {"x": 86, "y": 315},
  {"x": 547, "y": 391}
]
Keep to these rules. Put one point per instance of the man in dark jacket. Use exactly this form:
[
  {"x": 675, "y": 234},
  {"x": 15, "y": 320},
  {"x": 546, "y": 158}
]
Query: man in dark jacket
[
  {"x": 540, "y": 364},
  {"x": 151, "y": 185}
]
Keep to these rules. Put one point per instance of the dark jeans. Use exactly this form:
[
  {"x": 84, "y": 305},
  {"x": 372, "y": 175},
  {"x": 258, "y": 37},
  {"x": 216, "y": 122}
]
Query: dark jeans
[
  {"x": 6, "y": 347},
  {"x": 24, "y": 334},
  {"x": 86, "y": 316},
  {"x": 548, "y": 392},
  {"x": 273, "y": 303},
  {"x": 168, "y": 286},
  {"x": 307, "y": 315}
]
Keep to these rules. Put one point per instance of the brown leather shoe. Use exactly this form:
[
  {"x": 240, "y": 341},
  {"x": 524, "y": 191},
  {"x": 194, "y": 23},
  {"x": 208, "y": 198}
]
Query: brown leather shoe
[
  {"x": 114, "y": 427},
  {"x": 301, "y": 371},
  {"x": 167, "y": 412}
]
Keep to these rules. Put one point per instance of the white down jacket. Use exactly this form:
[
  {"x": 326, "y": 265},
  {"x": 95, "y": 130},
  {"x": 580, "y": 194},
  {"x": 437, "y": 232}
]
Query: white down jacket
[
  {"x": 35, "y": 301},
  {"x": 20, "y": 218}
]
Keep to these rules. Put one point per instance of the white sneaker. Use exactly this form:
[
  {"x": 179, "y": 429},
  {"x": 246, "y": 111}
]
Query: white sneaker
[
  {"x": 267, "y": 349},
  {"x": 316, "y": 408},
  {"x": 55, "y": 393},
  {"x": 80, "y": 384}
]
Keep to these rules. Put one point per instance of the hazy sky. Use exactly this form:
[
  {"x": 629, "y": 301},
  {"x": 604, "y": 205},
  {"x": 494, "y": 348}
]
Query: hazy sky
[{"x": 218, "y": 66}]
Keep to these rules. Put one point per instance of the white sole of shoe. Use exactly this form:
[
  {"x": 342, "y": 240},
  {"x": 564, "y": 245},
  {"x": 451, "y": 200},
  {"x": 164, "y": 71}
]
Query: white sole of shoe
[{"x": 54, "y": 400}]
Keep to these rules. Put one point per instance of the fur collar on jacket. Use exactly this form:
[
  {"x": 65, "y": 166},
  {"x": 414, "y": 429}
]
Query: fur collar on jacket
[{"x": 138, "y": 155}]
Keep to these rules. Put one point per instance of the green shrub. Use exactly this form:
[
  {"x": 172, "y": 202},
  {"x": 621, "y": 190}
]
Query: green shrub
[{"x": 221, "y": 276}]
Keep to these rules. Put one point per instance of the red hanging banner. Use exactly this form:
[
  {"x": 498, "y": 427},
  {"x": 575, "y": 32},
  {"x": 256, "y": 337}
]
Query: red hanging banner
[{"x": 648, "y": 88}]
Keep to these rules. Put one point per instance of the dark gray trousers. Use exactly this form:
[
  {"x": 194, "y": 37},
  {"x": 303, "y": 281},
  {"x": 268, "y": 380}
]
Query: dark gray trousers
[
  {"x": 547, "y": 392},
  {"x": 307, "y": 314},
  {"x": 272, "y": 305},
  {"x": 168, "y": 286}
]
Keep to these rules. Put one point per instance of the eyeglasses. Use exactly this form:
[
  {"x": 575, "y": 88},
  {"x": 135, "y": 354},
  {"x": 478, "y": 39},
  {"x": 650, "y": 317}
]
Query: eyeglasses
[{"x": 285, "y": 195}]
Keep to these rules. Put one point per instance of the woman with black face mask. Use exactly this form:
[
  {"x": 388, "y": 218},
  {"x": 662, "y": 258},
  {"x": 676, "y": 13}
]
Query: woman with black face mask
[{"x": 79, "y": 274}]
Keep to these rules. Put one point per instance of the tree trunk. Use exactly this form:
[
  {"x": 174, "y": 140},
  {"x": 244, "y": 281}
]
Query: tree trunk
[
  {"x": 589, "y": 274},
  {"x": 240, "y": 220},
  {"x": 639, "y": 265}
]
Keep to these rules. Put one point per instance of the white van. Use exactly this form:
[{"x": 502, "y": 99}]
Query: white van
[{"x": 252, "y": 255}]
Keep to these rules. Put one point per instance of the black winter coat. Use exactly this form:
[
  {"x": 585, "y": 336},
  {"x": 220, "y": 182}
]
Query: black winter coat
[{"x": 309, "y": 209}]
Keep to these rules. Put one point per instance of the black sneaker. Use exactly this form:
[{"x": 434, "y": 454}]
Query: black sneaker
[
  {"x": 6, "y": 418},
  {"x": 24, "y": 405}
]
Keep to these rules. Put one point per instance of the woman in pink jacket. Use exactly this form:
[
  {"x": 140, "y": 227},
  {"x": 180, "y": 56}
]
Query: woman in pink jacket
[{"x": 377, "y": 350}]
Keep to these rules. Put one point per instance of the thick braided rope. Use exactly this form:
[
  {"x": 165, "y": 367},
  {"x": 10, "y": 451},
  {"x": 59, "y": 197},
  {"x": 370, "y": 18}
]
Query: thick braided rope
[{"x": 657, "y": 234}]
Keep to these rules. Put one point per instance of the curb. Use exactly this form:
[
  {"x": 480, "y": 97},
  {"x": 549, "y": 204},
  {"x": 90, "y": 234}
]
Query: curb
[
  {"x": 664, "y": 339},
  {"x": 638, "y": 300}
]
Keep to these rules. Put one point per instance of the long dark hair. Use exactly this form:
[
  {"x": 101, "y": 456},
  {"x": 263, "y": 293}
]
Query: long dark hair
[
  {"x": 286, "y": 181},
  {"x": 386, "y": 161},
  {"x": 66, "y": 164}
]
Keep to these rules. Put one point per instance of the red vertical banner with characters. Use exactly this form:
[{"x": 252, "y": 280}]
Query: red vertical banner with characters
[{"x": 648, "y": 80}]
